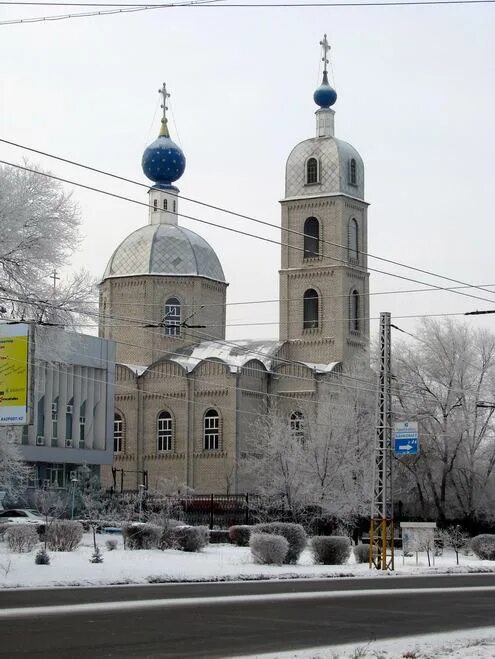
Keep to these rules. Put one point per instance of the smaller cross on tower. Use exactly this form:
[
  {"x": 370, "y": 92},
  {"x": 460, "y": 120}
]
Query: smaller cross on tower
[
  {"x": 55, "y": 278},
  {"x": 325, "y": 46},
  {"x": 165, "y": 95}
]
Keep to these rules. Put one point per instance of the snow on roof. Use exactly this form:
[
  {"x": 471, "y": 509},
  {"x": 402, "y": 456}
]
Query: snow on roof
[
  {"x": 322, "y": 368},
  {"x": 233, "y": 355},
  {"x": 138, "y": 369}
]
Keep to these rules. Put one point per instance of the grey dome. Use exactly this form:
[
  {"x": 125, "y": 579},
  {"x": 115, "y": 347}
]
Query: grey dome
[
  {"x": 164, "y": 249},
  {"x": 334, "y": 157}
]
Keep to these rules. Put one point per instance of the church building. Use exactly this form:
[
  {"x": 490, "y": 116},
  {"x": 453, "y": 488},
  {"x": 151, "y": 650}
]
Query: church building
[{"x": 185, "y": 397}]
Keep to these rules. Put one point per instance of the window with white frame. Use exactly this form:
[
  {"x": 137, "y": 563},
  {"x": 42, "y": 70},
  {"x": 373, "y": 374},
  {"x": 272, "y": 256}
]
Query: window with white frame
[
  {"x": 297, "y": 426},
  {"x": 310, "y": 309},
  {"x": 211, "y": 430},
  {"x": 82, "y": 424},
  {"x": 172, "y": 317},
  {"x": 118, "y": 433},
  {"x": 164, "y": 431}
]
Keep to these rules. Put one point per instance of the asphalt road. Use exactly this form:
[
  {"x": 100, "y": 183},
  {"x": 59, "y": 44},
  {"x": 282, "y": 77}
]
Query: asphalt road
[{"x": 198, "y": 620}]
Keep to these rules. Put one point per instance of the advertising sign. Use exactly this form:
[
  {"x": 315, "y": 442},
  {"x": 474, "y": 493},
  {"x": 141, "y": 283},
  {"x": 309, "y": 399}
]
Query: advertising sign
[
  {"x": 406, "y": 438},
  {"x": 14, "y": 355}
]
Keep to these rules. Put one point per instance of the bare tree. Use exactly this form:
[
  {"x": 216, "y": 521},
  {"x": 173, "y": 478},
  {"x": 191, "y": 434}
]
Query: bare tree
[
  {"x": 440, "y": 380},
  {"x": 40, "y": 231}
]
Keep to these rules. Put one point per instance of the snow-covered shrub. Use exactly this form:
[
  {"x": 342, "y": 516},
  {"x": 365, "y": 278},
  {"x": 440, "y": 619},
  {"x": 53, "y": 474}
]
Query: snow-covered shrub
[
  {"x": 3, "y": 528},
  {"x": 484, "y": 546},
  {"x": 362, "y": 553},
  {"x": 168, "y": 539},
  {"x": 42, "y": 557},
  {"x": 293, "y": 533},
  {"x": 64, "y": 535},
  {"x": 192, "y": 538},
  {"x": 96, "y": 556},
  {"x": 268, "y": 548},
  {"x": 21, "y": 537},
  {"x": 111, "y": 544},
  {"x": 142, "y": 536},
  {"x": 331, "y": 549},
  {"x": 240, "y": 534}
]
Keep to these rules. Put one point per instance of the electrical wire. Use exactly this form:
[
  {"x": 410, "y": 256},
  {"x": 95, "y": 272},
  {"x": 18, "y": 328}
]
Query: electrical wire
[
  {"x": 243, "y": 233},
  {"x": 255, "y": 220}
]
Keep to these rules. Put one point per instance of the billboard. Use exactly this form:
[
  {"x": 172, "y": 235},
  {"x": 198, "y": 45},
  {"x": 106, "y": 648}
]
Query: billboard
[{"x": 14, "y": 358}]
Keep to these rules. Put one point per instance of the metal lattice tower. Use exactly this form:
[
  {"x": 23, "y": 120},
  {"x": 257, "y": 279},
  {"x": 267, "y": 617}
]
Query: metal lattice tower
[{"x": 382, "y": 523}]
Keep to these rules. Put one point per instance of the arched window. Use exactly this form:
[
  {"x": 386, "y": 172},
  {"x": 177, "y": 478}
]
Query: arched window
[
  {"x": 352, "y": 172},
  {"x": 354, "y": 308},
  {"x": 172, "y": 317},
  {"x": 164, "y": 431},
  {"x": 353, "y": 240},
  {"x": 297, "y": 426},
  {"x": 155, "y": 204},
  {"x": 211, "y": 430},
  {"x": 165, "y": 204},
  {"x": 118, "y": 433},
  {"x": 311, "y": 171},
  {"x": 311, "y": 237},
  {"x": 310, "y": 311}
]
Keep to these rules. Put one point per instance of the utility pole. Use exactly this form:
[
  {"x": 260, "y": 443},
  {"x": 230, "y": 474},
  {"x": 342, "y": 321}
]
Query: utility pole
[{"x": 382, "y": 512}]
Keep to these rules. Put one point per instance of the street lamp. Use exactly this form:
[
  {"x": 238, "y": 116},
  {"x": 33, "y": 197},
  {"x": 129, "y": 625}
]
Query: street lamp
[
  {"x": 74, "y": 482},
  {"x": 141, "y": 495}
]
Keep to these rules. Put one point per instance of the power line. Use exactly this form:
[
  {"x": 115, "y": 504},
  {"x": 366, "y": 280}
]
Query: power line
[{"x": 270, "y": 240}]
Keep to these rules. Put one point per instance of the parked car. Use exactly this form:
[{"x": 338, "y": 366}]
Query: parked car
[{"x": 21, "y": 516}]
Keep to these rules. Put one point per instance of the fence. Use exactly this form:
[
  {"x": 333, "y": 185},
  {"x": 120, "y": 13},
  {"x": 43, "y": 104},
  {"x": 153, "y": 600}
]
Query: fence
[{"x": 212, "y": 510}]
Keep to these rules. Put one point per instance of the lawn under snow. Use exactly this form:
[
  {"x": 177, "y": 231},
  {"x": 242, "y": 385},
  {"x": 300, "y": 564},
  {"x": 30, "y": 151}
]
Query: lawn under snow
[
  {"x": 214, "y": 563},
  {"x": 464, "y": 644}
]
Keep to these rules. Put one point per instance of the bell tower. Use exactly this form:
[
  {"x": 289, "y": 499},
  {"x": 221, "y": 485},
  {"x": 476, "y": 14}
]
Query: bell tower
[{"x": 324, "y": 289}]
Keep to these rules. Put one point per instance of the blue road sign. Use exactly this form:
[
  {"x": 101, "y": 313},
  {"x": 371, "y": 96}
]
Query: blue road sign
[{"x": 406, "y": 438}]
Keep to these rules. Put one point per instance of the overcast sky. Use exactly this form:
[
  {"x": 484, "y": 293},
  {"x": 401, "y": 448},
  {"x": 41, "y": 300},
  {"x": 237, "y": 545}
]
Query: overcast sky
[{"x": 416, "y": 97}]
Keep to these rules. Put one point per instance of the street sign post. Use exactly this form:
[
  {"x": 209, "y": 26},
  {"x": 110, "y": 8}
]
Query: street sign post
[{"x": 406, "y": 441}]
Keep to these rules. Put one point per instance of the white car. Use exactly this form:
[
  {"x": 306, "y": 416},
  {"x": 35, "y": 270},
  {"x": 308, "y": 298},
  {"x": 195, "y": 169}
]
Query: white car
[{"x": 21, "y": 516}]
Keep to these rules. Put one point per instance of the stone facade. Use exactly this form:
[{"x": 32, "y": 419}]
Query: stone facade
[{"x": 187, "y": 403}]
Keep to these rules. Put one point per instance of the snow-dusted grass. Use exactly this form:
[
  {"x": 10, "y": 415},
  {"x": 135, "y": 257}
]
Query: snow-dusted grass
[
  {"x": 464, "y": 644},
  {"x": 214, "y": 563}
]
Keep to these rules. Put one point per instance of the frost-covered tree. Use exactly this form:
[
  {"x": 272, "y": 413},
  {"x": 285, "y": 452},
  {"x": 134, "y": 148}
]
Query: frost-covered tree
[
  {"x": 13, "y": 471},
  {"x": 440, "y": 380},
  {"x": 325, "y": 464},
  {"x": 40, "y": 231}
]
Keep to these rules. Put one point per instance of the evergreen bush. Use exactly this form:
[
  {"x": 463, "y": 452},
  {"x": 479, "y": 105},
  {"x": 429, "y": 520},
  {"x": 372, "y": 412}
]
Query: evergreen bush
[
  {"x": 192, "y": 538},
  {"x": 331, "y": 549},
  {"x": 293, "y": 533},
  {"x": 362, "y": 553},
  {"x": 268, "y": 548},
  {"x": 42, "y": 557},
  {"x": 483, "y": 546},
  {"x": 240, "y": 534}
]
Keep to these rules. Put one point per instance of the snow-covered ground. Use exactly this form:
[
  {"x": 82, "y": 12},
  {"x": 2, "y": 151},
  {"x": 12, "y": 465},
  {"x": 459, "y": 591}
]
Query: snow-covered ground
[
  {"x": 214, "y": 563},
  {"x": 471, "y": 644}
]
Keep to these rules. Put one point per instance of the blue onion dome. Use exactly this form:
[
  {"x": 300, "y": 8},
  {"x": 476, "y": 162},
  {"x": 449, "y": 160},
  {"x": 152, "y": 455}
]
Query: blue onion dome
[
  {"x": 325, "y": 95},
  {"x": 163, "y": 160}
]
